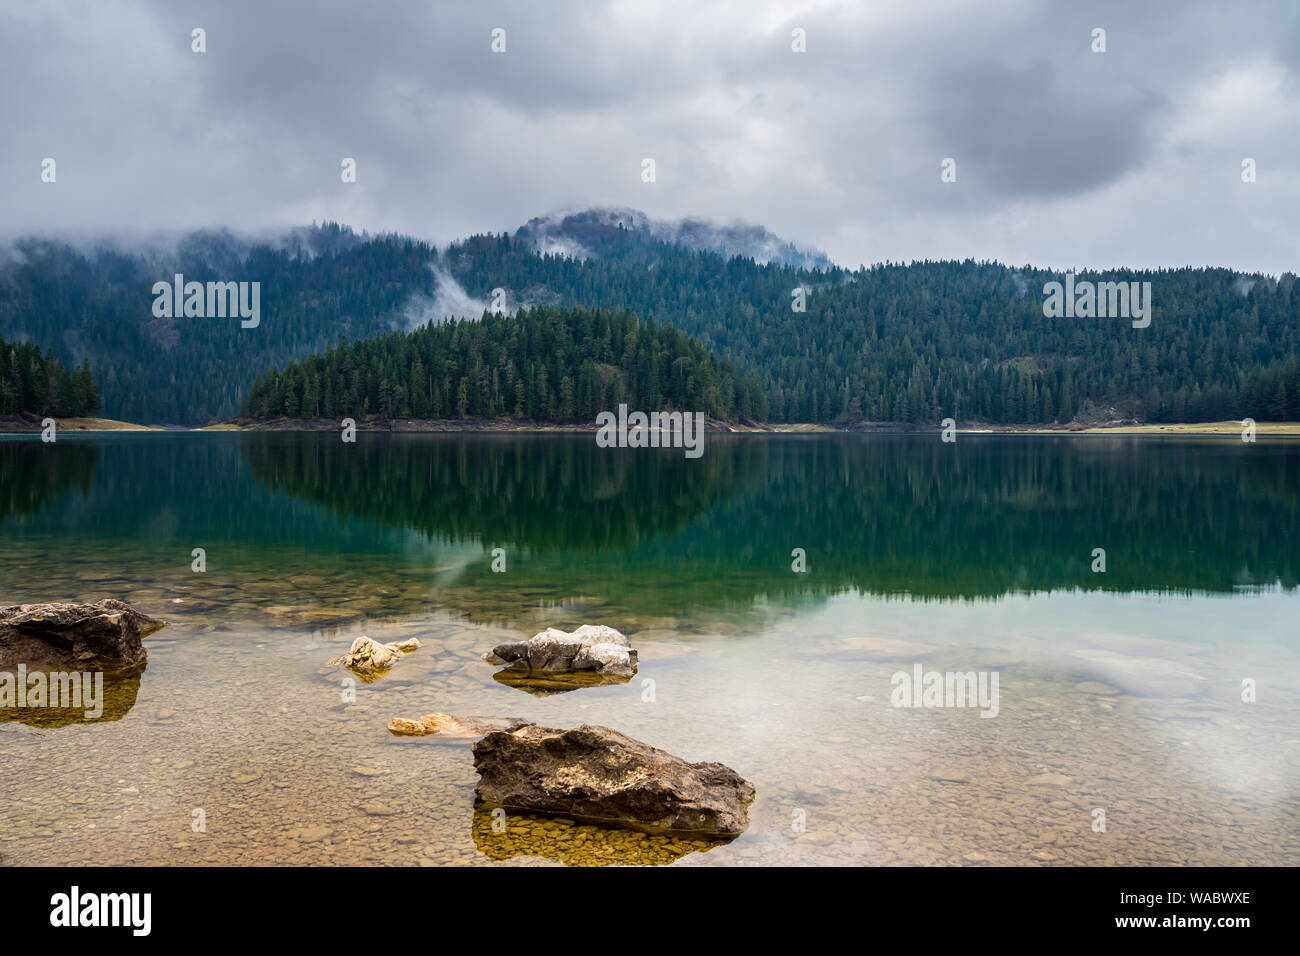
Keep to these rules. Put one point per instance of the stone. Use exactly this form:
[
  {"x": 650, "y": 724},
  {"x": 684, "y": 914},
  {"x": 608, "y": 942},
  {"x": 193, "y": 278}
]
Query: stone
[
  {"x": 445, "y": 725},
  {"x": 103, "y": 636},
  {"x": 595, "y": 775},
  {"x": 1096, "y": 687},
  {"x": 370, "y": 660},
  {"x": 589, "y": 647},
  {"x": 945, "y": 775},
  {"x": 302, "y": 616},
  {"x": 1143, "y": 676},
  {"x": 554, "y": 659},
  {"x": 1049, "y": 780},
  {"x": 311, "y": 834},
  {"x": 876, "y": 649},
  {"x": 553, "y": 838}
]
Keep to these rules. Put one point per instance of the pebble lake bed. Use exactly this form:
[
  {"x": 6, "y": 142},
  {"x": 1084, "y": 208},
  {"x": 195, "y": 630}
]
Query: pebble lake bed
[{"x": 1122, "y": 733}]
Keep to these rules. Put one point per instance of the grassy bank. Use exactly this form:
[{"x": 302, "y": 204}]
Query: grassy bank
[{"x": 32, "y": 423}]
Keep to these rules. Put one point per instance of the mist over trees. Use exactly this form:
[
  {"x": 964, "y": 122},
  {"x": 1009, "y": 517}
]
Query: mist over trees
[
  {"x": 317, "y": 286},
  {"x": 928, "y": 340},
  {"x": 890, "y": 343}
]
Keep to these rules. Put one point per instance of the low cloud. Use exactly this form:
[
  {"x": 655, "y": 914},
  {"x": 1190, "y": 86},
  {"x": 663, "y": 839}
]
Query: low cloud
[
  {"x": 1065, "y": 158},
  {"x": 449, "y": 301}
]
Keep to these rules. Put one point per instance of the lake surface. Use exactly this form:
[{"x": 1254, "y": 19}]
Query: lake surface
[{"x": 1120, "y": 692}]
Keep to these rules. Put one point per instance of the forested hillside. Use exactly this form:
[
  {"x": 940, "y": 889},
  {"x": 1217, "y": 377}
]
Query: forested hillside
[
  {"x": 923, "y": 341},
  {"x": 317, "y": 286},
  {"x": 890, "y": 343},
  {"x": 42, "y": 385},
  {"x": 554, "y": 364}
]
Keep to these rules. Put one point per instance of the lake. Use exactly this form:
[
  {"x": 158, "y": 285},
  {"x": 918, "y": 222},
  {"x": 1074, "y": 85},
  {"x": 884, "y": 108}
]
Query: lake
[{"x": 1147, "y": 713}]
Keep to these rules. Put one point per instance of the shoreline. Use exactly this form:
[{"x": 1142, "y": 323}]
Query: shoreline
[{"x": 28, "y": 424}]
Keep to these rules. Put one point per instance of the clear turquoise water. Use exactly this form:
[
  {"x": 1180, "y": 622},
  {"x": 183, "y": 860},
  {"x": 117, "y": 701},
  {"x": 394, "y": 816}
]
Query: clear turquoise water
[{"x": 1119, "y": 691}]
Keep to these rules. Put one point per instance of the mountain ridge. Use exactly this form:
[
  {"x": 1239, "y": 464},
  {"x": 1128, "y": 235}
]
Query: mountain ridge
[{"x": 892, "y": 342}]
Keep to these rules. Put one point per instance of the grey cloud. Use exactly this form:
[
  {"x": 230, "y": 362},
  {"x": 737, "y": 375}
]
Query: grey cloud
[{"x": 1065, "y": 157}]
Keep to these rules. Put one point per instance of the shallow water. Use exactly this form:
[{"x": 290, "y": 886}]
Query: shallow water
[{"x": 1118, "y": 691}]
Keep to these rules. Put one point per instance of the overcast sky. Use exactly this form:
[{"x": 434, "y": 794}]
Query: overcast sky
[{"x": 1064, "y": 157}]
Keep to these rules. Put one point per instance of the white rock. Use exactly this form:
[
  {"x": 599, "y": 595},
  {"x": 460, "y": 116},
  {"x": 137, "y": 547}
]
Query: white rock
[{"x": 591, "y": 647}]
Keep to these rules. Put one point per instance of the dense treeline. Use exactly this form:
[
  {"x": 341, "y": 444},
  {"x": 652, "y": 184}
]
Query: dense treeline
[
  {"x": 923, "y": 341},
  {"x": 543, "y": 363},
  {"x": 913, "y": 343},
  {"x": 317, "y": 286},
  {"x": 43, "y": 385}
]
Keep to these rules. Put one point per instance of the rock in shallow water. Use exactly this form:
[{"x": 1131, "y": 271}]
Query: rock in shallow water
[
  {"x": 575, "y": 844},
  {"x": 445, "y": 725},
  {"x": 1143, "y": 676},
  {"x": 592, "y": 774},
  {"x": 309, "y": 617},
  {"x": 370, "y": 660},
  {"x": 104, "y": 636},
  {"x": 593, "y": 653}
]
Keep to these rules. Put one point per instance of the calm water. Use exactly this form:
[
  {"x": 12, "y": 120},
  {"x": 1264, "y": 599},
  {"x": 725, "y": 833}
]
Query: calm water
[{"x": 1118, "y": 691}]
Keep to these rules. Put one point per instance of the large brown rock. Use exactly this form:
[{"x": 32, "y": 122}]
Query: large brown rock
[
  {"x": 104, "y": 636},
  {"x": 596, "y": 775}
]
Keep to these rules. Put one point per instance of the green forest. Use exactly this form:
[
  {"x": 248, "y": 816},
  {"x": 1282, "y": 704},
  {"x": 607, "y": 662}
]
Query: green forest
[
  {"x": 42, "y": 385},
  {"x": 318, "y": 286},
  {"x": 889, "y": 343},
  {"x": 927, "y": 340},
  {"x": 543, "y": 363}
]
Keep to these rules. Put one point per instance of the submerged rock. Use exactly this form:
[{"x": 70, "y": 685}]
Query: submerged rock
[
  {"x": 877, "y": 649},
  {"x": 104, "y": 636},
  {"x": 99, "y": 701},
  {"x": 1097, "y": 688},
  {"x": 1143, "y": 676},
  {"x": 304, "y": 616},
  {"x": 596, "y": 775},
  {"x": 445, "y": 725},
  {"x": 575, "y": 844},
  {"x": 546, "y": 685},
  {"x": 556, "y": 660},
  {"x": 370, "y": 660}
]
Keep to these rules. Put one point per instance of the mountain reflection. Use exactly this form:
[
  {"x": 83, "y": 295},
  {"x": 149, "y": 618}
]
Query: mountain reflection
[{"x": 657, "y": 533}]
